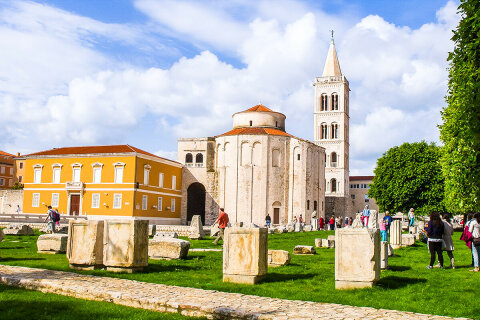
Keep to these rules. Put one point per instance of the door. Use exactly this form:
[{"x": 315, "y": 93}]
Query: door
[
  {"x": 276, "y": 215},
  {"x": 74, "y": 205}
]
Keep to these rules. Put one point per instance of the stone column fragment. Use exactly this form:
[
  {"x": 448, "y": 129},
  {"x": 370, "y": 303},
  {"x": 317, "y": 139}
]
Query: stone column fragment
[
  {"x": 396, "y": 234},
  {"x": 85, "y": 244},
  {"x": 384, "y": 255},
  {"x": 196, "y": 228}
]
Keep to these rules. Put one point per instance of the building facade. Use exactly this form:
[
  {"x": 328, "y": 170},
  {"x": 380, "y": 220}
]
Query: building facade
[
  {"x": 331, "y": 131},
  {"x": 359, "y": 186},
  {"x": 7, "y": 170},
  {"x": 103, "y": 182},
  {"x": 19, "y": 168},
  {"x": 254, "y": 169}
]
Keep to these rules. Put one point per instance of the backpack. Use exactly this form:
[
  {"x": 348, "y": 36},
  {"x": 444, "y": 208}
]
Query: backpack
[{"x": 55, "y": 216}]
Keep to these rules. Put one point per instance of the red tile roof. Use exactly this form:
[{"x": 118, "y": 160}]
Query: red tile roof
[
  {"x": 255, "y": 130},
  {"x": 3, "y": 153},
  {"x": 355, "y": 178},
  {"x": 259, "y": 108},
  {"x": 122, "y": 148}
]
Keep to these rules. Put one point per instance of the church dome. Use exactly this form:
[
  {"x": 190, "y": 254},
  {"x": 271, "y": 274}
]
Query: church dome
[{"x": 259, "y": 116}]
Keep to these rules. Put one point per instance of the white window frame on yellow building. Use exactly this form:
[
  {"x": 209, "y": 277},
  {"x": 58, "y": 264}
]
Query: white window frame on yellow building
[
  {"x": 37, "y": 168},
  {"x": 172, "y": 207},
  {"x": 77, "y": 167},
  {"x": 115, "y": 200},
  {"x": 95, "y": 205},
  {"x": 35, "y": 204},
  {"x": 55, "y": 200},
  {"x": 97, "y": 167},
  {"x": 118, "y": 165},
  {"x": 56, "y": 167},
  {"x": 161, "y": 177},
  {"x": 146, "y": 174},
  {"x": 144, "y": 202},
  {"x": 160, "y": 204},
  {"x": 174, "y": 182}
]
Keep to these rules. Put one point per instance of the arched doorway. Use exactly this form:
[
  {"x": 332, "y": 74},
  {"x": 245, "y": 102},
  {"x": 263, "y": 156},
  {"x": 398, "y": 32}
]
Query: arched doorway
[{"x": 196, "y": 201}]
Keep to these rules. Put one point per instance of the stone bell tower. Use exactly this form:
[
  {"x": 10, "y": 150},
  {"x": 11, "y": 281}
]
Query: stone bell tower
[{"x": 331, "y": 131}]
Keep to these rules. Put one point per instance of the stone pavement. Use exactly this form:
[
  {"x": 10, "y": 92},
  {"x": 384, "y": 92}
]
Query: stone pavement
[{"x": 188, "y": 301}]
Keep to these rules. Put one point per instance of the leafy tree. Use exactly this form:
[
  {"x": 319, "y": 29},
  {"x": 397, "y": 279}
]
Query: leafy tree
[
  {"x": 17, "y": 186},
  {"x": 409, "y": 176},
  {"x": 460, "y": 130}
]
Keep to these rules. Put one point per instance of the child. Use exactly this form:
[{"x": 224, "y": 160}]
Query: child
[{"x": 383, "y": 230}]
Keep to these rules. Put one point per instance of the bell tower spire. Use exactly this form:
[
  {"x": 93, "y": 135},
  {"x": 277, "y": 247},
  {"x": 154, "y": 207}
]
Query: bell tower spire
[{"x": 332, "y": 66}]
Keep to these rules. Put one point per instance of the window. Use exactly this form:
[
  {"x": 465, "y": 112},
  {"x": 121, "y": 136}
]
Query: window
[
  {"x": 95, "y": 200},
  {"x": 366, "y": 198},
  {"x": 188, "y": 158},
  {"x": 37, "y": 176},
  {"x": 199, "y": 158},
  {"x": 308, "y": 204},
  {"x": 20, "y": 165},
  {"x": 160, "y": 180},
  {"x": 97, "y": 174},
  {"x": 333, "y": 183},
  {"x": 334, "y": 131},
  {"x": 144, "y": 202},
  {"x": 117, "y": 201},
  {"x": 160, "y": 204},
  {"x": 76, "y": 174},
  {"x": 333, "y": 159},
  {"x": 315, "y": 205},
  {"x": 36, "y": 200},
  {"x": 119, "y": 174},
  {"x": 334, "y": 101},
  {"x": 352, "y": 196},
  {"x": 324, "y": 133},
  {"x": 324, "y": 102},
  {"x": 11, "y": 170},
  {"x": 10, "y": 182},
  {"x": 251, "y": 123},
  {"x": 146, "y": 175},
  {"x": 2, "y": 182},
  {"x": 174, "y": 183},
  {"x": 20, "y": 179},
  {"x": 172, "y": 208},
  {"x": 276, "y": 124},
  {"x": 55, "y": 197},
  {"x": 298, "y": 156},
  {"x": 2, "y": 170},
  {"x": 56, "y": 174}
]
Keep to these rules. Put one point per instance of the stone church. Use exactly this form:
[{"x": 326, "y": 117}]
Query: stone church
[{"x": 258, "y": 168}]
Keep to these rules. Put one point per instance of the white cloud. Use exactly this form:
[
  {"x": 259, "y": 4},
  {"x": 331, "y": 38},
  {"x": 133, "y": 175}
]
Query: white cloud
[{"x": 70, "y": 93}]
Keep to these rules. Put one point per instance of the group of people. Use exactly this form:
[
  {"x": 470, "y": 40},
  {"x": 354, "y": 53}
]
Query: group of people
[{"x": 52, "y": 219}]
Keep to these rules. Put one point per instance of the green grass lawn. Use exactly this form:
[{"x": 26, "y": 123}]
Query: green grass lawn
[
  {"x": 16, "y": 303},
  {"x": 407, "y": 285}
]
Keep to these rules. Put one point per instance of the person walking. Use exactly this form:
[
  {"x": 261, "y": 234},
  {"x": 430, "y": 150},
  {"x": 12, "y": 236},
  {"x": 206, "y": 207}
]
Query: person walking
[
  {"x": 411, "y": 217},
  {"x": 447, "y": 238},
  {"x": 388, "y": 221},
  {"x": 475, "y": 231},
  {"x": 383, "y": 230},
  {"x": 268, "y": 220},
  {"x": 366, "y": 215},
  {"x": 332, "y": 223},
  {"x": 50, "y": 220},
  {"x": 222, "y": 224},
  {"x": 435, "y": 230},
  {"x": 300, "y": 219},
  {"x": 346, "y": 221}
]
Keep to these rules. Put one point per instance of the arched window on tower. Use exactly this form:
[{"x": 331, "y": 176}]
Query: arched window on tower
[
  {"x": 324, "y": 102},
  {"x": 334, "y": 101},
  {"x": 199, "y": 160},
  {"x": 188, "y": 158},
  {"x": 324, "y": 134},
  {"x": 333, "y": 184},
  {"x": 334, "y": 131},
  {"x": 333, "y": 159}
]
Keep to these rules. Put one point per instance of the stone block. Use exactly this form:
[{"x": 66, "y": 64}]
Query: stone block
[
  {"x": 390, "y": 251},
  {"x": 331, "y": 237},
  {"x": 125, "y": 245},
  {"x": 396, "y": 234},
  {"x": 328, "y": 243},
  {"x": 373, "y": 222},
  {"x": 152, "y": 229},
  {"x": 304, "y": 250},
  {"x": 161, "y": 235},
  {"x": 314, "y": 224},
  {"x": 413, "y": 229},
  {"x": 245, "y": 255},
  {"x": 357, "y": 258},
  {"x": 277, "y": 258},
  {"x": 408, "y": 240},
  {"x": 281, "y": 229},
  {"x": 168, "y": 248},
  {"x": 384, "y": 255},
  {"x": 290, "y": 228},
  {"x": 85, "y": 244},
  {"x": 318, "y": 242},
  {"x": 214, "y": 230},
  {"x": 307, "y": 228},
  {"x": 270, "y": 230},
  {"x": 196, "y": 227},
  {"x": 17, "y": 229},
  {"x": 52, "y": 243}
]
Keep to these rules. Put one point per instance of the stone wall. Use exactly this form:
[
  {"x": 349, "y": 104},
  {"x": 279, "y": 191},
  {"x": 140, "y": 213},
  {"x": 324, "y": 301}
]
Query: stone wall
[
  {"x": 182, "y": 231},
  {"x": 10, "y": 200}
]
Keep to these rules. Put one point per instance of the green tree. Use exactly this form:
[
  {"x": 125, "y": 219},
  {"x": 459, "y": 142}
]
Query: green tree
[
  {"x": 460, "y": 130},
  {"x": 409, "y": 176},
  {"x": 17, "y": 186}
]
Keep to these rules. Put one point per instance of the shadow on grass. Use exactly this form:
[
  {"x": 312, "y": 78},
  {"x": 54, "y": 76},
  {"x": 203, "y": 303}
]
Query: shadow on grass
[
  {"x": 392, "y": 282},
  {"x": 19, "y": 259},
  {"x": 279, "y": 277},
  {"x": 399, "y": 268},
  {"x": 167, "y": 268},
  {"x": 6, "y": 248}
]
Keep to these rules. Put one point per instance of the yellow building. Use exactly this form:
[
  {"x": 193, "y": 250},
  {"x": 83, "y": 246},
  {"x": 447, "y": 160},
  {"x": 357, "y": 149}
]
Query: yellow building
[{"x": 103, "y": 182}]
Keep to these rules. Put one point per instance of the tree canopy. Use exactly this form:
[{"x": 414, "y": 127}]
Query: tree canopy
[
  {"x": 409, "y": 176},
  {"x": 460, "y": 130}
]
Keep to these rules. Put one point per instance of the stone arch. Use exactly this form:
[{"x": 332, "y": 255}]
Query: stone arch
[{"x": 196, "y": 201}]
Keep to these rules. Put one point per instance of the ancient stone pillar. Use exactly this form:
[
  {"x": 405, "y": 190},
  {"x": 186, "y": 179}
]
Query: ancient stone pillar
[
  {"x": 125, "y": 245},
  {"x": 384, "y": 254},
  {"x": 396, "y": 234},
  {"x": 357, "y": 257},
  {"x": 196, "y": 228},
  {"x": 85, "y": 244},
  {"x": 373, "y": 220},
  {"x": 245, "y": 255}
]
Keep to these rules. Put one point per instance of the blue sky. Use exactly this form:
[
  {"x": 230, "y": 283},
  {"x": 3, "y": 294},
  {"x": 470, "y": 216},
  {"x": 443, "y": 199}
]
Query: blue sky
[{"x": 147, "y": 72}]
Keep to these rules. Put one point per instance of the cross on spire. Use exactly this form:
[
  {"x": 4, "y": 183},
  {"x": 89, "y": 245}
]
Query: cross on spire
[{"x": 332, "y": 31}]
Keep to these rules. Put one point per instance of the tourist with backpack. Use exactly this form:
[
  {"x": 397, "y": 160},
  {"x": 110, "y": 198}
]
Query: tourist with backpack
[
  {"x": 50, "y": 220},
  {"x": 475, "y": 231},
  {"x": 467, "y": 235}
]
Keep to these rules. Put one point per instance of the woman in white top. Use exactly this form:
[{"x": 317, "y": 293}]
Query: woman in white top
[
  {"x": 447, "y": 238},
  {"x": 475, "y": 230}
]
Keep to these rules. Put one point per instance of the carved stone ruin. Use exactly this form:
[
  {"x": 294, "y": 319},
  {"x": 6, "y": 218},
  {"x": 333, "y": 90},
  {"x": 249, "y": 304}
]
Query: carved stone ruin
[
  {"x": 277, "y": 258},
  {"x": 152, "y": 229},
  {"x": 168, "y": 248},
  {"x": 373, "y": 222},
  {"x": 161, "y": 235},
  {"x": 125, "y": 245},
  {"x": 245, "y": 255},
  {"x": 408, "y": 240},
  {"x": 18, "y": 229},
  {"x": 85, "y": 244},
  {"x": 357, "y": 258},
  {"x": 304, "y": 250},
  {"x": 318, "y": 242},
  {"x": 196, "y": 228},
  {"x": 396, "y": 234},
  {"x": 52, "y": 243}
]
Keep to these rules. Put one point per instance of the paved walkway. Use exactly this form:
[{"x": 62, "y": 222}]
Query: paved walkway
[{"x": 188, "y": 301}]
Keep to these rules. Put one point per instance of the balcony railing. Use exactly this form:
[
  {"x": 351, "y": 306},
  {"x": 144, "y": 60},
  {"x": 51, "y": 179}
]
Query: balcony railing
[{"x": 333, "y": 164}]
